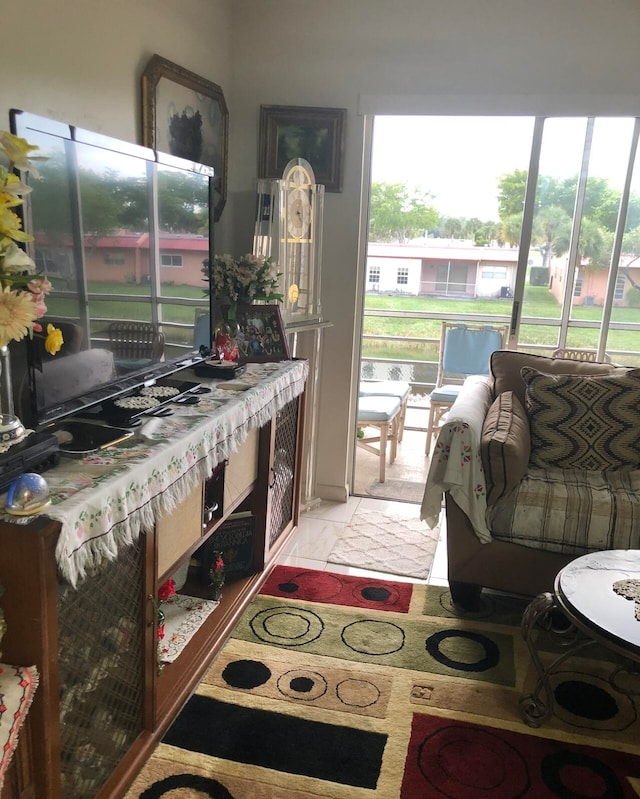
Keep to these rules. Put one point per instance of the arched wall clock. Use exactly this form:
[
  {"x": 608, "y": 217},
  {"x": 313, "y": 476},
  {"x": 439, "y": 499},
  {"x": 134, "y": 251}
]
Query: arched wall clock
[{"x": 289, "y": 229}]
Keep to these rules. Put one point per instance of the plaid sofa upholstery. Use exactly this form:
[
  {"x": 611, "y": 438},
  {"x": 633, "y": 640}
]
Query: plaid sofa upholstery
[{"x": 570, "y": 511}]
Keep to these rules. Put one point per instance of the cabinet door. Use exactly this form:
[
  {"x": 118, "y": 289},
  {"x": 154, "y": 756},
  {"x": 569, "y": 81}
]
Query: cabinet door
[
  {"x": 103, "y": 643},
  {"x": 284, "y": 499},
  {"x": 241, "y": 471},
  {"x": 179, "y": 530}
]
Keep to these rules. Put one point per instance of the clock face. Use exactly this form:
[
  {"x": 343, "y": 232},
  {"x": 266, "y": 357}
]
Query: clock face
[{"x": 298, "y": 214}]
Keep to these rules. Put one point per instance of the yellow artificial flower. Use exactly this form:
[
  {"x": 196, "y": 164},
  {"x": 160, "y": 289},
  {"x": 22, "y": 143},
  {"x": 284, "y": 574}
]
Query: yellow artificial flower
[
  {"x": 9, "y": 200},
  {"x": 14, "y": 186},
  {"x": 54, "y": 340},
  {"x": 10, "y": 225},
  {"x": 17, "y": 315},
  {"x": 17, "y": 151}
]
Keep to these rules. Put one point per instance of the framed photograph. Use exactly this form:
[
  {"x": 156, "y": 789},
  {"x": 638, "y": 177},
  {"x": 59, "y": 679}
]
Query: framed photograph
[
  {"x": 186, "y": 116},
  {"x": 261, "y": 335},
  {"x": 316, "y": 134}
]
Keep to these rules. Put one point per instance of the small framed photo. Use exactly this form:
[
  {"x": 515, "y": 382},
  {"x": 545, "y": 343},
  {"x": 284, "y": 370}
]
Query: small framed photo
[
  {"x": 315, "y": 134},
  {"x": 186, "y": 116},
  {"x": 261, "y": 335}
]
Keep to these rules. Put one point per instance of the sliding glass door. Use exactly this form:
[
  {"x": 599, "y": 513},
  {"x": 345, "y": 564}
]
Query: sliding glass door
[
  {"x": 581, "y": 220},
  {"x": 531, "y": 222}
]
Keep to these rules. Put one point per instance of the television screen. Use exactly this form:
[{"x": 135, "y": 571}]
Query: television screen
[{"x": 122, "y": 232}]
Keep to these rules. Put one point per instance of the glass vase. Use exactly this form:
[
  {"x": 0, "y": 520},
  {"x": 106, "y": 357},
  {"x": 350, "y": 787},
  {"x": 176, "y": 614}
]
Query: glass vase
[
  {"x": 225, "y": 342},
  {"x": 6, "y": 385}
]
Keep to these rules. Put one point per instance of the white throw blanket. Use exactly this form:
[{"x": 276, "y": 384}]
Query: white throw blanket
[{"x": 456, "y": 465}]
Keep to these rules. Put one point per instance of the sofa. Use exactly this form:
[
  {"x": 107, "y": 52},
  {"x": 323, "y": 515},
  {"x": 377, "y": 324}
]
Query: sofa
[{"x": 539, "y": 463}]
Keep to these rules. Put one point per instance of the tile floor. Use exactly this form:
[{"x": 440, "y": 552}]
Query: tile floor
[{"x": 320, "y": 527}]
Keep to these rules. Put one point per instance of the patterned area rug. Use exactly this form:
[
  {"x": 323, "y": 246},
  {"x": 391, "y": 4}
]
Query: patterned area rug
[
  {"x": 397, "y": 490},
  {"x": 347, "y": 688},
  {"x": 389, "y": 544}
]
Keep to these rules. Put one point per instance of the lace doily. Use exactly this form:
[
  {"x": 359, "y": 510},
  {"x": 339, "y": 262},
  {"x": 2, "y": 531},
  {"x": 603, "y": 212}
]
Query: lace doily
[
  {"x": 159, "y": 391},
  {"x": 136, "y": 403},
  {"x": 629, "y": 589}
]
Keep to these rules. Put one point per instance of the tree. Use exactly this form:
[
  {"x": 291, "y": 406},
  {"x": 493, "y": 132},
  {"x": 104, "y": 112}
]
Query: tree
[
  {"x": 594, "y": 242},
  {"x": 398, "y": 213},
  {"x": 511, "y": 190},
  {"x": 550, "y": 225}
]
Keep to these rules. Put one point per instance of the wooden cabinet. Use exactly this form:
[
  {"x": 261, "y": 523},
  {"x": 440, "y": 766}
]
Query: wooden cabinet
[{"x": 102, "y": 704}]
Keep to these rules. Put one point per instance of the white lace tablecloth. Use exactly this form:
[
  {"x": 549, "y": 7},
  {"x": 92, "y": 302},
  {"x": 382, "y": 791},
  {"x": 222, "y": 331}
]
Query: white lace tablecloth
[{"x": 105, "y": 500}]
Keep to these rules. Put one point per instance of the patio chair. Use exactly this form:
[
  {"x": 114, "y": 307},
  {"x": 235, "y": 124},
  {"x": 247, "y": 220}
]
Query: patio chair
[
  {"x": 389, "y": 388},
  {"x": 381, "y": 413},
  {"x": 577, "y": 354},
  {"x": 465, "y": 350},
  {"x": 135, "y": 343}
]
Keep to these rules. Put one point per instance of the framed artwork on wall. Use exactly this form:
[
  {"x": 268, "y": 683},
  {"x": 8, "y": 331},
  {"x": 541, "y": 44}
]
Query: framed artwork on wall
[
  {"x": 315, "y": 134},
  {"x": 261, "y": 335},
  {"x": 186, "y": 116}
]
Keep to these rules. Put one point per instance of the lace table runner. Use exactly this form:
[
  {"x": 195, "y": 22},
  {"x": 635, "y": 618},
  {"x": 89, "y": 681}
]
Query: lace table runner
[{"x": 105, "y": 500}]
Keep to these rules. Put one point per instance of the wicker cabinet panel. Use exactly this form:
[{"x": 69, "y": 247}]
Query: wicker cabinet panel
[
  {"x": 283, "y": 478},
  {"x": 101, "y": 667}
]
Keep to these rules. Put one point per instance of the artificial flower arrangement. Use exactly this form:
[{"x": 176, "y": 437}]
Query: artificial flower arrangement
[
  {"x": 246, "y": 279},
  {"x": 216, "y": 575},
  {"x": 22, "y": 288},
  {"x": 166, "y": 590}
]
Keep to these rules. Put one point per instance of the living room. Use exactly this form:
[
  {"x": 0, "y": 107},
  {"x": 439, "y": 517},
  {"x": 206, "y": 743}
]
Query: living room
[
  {"x": 81, "y": 63},
  {"x": 425, "y": 58}
]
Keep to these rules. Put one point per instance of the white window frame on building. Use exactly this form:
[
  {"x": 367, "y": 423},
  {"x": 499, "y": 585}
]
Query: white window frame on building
[
  {"x": 171, "y": 260},
  {"x": 402, "y": 276},
  {"x": 374, "y": 275},
  {"x": 577, "y": 286}
]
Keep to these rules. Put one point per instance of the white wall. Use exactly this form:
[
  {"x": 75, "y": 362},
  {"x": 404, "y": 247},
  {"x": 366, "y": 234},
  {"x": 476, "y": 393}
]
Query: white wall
[{"x": 80, "y": 61}]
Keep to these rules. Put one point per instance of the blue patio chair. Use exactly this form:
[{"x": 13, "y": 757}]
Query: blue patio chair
[
  {"x": 381, "y": 413},
  {"x": 465, "y": 350},
  {"x": 389, "y": 388},
  {"x": 202, "y": 332}
]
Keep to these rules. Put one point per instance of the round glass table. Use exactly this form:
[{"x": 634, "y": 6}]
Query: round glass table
[{"x": 595, "y": 600}]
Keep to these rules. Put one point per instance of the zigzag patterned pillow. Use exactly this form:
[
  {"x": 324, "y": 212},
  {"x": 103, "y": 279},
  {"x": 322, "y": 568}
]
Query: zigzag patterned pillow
[{"x": 588, "y": 423}]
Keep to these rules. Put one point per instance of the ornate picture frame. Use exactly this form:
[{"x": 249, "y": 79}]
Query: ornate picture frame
[
  {"x": 315, "y": 134},
  {"x": 261, "y": 335},
  {"x": 187, "y": 116}
]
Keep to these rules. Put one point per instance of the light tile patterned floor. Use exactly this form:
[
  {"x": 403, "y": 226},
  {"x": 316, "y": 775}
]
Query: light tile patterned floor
[{"x": 320, "y": 527}]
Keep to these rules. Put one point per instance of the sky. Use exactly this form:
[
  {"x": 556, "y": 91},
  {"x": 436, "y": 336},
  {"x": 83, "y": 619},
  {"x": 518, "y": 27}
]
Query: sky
[{"x": 460, "y": 159}]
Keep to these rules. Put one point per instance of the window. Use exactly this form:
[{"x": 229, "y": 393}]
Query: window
[
  {"x": 403, "y": 276},
  {"x": 577, "y": 288},
  {"x": 621, "y": 282},
  {"x": 495, "y": 272},
  {"x": 374, "y": 274},
  {"x": 172, "y": 261},
  {"x": 115, "y": 258},
  {"x": 451, "y": 278}
]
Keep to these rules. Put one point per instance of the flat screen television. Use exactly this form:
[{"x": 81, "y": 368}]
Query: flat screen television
[{"x": 122, "y": 233}]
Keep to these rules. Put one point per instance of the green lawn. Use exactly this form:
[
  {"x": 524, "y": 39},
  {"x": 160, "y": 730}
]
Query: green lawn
[{"x": 538, "y": 303}]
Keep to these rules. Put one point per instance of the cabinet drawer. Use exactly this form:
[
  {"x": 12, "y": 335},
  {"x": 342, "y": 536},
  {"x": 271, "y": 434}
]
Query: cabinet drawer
[
  {"x": 178, "y": 530},
  {"x": 241, "y": 470}
]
